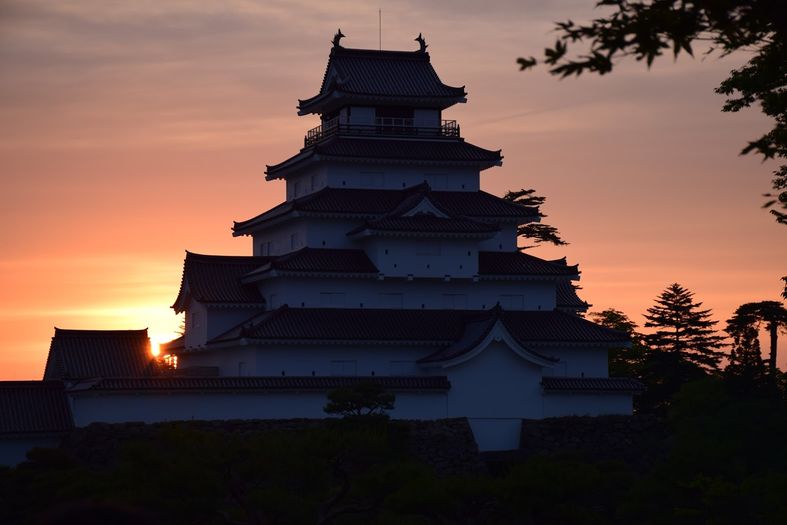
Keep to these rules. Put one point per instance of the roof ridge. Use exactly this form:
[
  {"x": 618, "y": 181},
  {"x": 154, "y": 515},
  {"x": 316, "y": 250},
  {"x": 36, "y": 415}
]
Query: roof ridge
[
  {"x": 75, "y": 332},
  {"x": 387, "y": 53},
  {"x": 199, "y": 257}
]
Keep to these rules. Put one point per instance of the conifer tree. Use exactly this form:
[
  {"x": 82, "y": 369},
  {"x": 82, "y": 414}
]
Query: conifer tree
[{"x": 683, "y": 329}]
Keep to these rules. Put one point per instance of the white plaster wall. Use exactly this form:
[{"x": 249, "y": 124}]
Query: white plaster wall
[
  {"x": 305, "y": 182},
  {"x": 13, "y": 450},
  {"x": 393, "y": 177},
  {"x": 578, "y": 361},
  {"x": 196, "y": 325},
  {"x": 495, "y": 390},
  {"x": 399, "y": 257},
  {"x": 155, "y": 407},
  {"x": 285, "y": 238},
  {"x": 382, "y": 360},
  {"x": 331, "y": 233},
  {"x": 227, "y": 360},
  {"x": 426, "y": 118},
  {"x": 415, "y": 294},
  {"x": 503, "y": 241},
  {"x": 497, "y": 384},
  {"x": 221, "y": 319},
  {"x": 584, "y": 404},
  {"x": 361, "y": 115}
]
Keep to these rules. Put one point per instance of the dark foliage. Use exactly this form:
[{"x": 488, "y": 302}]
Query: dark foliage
[
  {"x": 623, "y": 361},
  {"x": 750, "y": 316},
  {"x": 538, "y": 232},
  {"x": 365, "y": 399},
  {"x": 649, "y": 29}
]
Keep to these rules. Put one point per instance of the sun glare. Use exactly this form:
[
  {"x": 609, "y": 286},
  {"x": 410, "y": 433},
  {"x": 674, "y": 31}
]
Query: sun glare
[{"x": 156, "y": 340}]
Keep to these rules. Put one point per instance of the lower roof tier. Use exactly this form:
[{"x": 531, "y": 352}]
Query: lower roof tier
[
  {"x": 216, "y": 279},
  {"x": 431, "y": 327}
]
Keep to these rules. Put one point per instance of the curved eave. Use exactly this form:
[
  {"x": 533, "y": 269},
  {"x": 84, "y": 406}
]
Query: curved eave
[
  {"x": 338, "y": 98},
  {"x": 284, "y": 211},
  {"x": 525, "y": 277},
  {"x": 310, "y": 154},
  {"x": 270, "y": 273},
  {"x": 246, "y": 340}
]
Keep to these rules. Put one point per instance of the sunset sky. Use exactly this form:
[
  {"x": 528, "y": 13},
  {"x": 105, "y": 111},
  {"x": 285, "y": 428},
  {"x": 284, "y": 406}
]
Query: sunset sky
[{"x": 133, "y": 131}]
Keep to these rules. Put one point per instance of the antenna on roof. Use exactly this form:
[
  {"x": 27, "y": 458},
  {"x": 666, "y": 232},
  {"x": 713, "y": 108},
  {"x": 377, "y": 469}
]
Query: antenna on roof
[{"x": 380, "y": 27}]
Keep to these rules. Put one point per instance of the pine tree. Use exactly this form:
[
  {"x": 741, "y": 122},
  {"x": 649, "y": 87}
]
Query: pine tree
[
  {"x": 538, "y": 232},
  {"x": 746, "y": 361},
  {"x": 683, "y": 329}
]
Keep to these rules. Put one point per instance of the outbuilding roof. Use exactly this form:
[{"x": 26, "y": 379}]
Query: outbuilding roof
[
  {"x": 29, "y": 407},
  {"x": 77, "y": 354},
  {"x": 366, "y": 75},
  {"x": 371, "y": 203},
  {"x": 454, "y": 152},
  {"x": 267, "y": 383}
]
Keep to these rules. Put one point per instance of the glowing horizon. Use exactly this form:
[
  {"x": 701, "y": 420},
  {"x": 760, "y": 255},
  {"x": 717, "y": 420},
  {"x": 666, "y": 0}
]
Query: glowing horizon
[{"x": 132, "y": 132}]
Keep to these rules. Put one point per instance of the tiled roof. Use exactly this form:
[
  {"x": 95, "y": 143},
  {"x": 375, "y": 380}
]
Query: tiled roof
[
  {"x": 423, "y": 326},
  {"x": 426, "y": 224},
  {"x": 217, "y": 279},
  {"x": 451, "y": 152},
  {"x": 77, "y": 354},
  {"x": 325, "y": 260},
  {"x": 380, "y": 75},
  {"x": 269, "y": 383},
  {"x": 369, "y": 203},
  {"x": 567, "y": 297},
  {"x": 28, "y": 407},
  {"x": 591, "y": 384},
  {"x": 520, "y": 263}
]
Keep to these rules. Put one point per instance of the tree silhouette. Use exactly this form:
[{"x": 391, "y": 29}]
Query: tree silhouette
[
  {"x": 536, "y": 231},
  {"x": 748, "y": 317},
  {"x": 365, "y": 399},
  {"x": 646, "y": 29},
  {"x": 746, "y": 368},
  {"x": 623, "y": 362},
  {"x": 683, "y": 330}
]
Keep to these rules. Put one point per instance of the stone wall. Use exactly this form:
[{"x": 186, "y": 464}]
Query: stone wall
[
  {"x": 447, "y": 444},
  {"x": 638, "y": 440}
]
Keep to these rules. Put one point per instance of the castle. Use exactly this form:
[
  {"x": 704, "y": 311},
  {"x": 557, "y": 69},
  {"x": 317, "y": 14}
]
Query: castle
[{"x": 386, "y": 262}]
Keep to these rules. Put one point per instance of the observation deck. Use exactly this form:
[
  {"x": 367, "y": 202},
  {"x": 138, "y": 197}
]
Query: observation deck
[{"x": 382, "y": 127}]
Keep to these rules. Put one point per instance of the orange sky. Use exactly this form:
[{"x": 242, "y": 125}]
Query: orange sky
[{"x": 132, "y": 131}]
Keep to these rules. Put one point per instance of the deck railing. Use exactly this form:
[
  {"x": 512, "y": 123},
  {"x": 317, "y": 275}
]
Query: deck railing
[{"x": 383, "y": 126}]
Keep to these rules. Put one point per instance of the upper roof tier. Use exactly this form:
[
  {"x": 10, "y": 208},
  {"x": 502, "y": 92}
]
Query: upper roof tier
[{"x": 368, "y": 77}]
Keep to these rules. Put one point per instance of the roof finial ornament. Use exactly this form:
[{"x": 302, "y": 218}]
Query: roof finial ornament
[
  {"x": 337, "y": 37},
  {"x": 422, "y": 43}
]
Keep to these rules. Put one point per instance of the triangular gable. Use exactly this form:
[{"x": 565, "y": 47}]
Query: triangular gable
[
  {"x": 477, "y": 338},
  {"x": 425, "y": 207}
]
